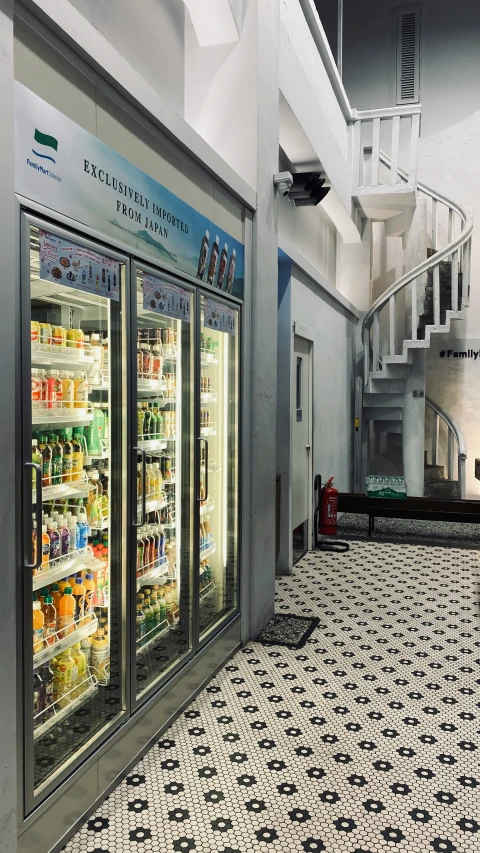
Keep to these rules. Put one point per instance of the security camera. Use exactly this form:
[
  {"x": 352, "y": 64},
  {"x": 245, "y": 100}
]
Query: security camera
[{"x": 283, "y": 181}]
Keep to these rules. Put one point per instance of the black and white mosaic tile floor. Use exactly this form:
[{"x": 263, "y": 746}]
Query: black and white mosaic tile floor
[{"x": 365, "y": 740}]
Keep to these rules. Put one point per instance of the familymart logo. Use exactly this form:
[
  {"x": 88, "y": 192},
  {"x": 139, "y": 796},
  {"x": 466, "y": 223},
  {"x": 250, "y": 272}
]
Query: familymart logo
[{"x": 45, "y": 147}]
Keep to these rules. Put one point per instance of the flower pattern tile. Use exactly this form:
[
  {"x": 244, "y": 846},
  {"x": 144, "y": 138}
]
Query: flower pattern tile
[{"x": 364, "y": 741}]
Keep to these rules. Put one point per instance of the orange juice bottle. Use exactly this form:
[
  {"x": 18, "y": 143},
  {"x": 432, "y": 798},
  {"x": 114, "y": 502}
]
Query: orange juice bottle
[
  {"x": 89, "y": 584},
  {"x": 50, "y": 623},
  {"x": 66, "y": 613},
  {"x": 79, "y": 592},
  {"x": 45, "y": 547},
  {"x": 38, "y": 626},
  {"x": 56, "y": 595},
  {"x": 61, "y": 585}
]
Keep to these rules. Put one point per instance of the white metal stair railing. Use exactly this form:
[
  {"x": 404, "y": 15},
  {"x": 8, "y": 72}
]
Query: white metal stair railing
[
  {"x": 369, "y": 128},
  {"x": 457, "y": 252},
  {"x": 454, "y": 434}
]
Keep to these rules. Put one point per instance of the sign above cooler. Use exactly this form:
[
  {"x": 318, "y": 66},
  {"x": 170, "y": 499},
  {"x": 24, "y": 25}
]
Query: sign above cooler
[{"x": 65, "y": 168}]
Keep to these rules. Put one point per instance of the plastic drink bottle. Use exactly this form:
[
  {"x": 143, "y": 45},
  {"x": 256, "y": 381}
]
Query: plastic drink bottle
[
  {"x": 56, "y": 595},
  {"x": 64, "y": 536},
  {"x": 50, "y": 621},
  {"x": 65, "y": 678},
  {"x": 222, "y": 267},
  {"x": 55, "y": 541},
  {"x": 155, "y": 607},
  {"x": 81, "y": 664},
  {"x": 163, "y": 605},
  {"x": 170, "y": 604},
  {"x": 47, "y": 691},
  {"x": 140, "y": 624},
  {"x": 89, "y": 585},
  {"x": 86, "y": 645},
  {"x": 82, "y": 528},
  {"x": 78, "y": 442},
  {"x": 51, "y": 389},
  {"x": 37, "y": 697},
  {"x": 67, "y": 454},
  {"x": 37, "y": 458},
  {"x": 231, "y": 271},
  {"x": 149, "y": 618},
  {"x": 38, "y": 626},
  {"x": 57, "y": 459},
  {"x": 66, "y": 613},
  {"x": 79, "y": 593},
  {"x": 68, "y": 390},
  {"x": 72, "y": 529},
  {"x": 46, "y": 452},
  {"x": 202, "y": 258},
  {"x": 100, "y": 654}
]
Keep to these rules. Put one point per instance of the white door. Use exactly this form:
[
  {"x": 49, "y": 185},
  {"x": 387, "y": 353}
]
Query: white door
[{"x": 301, "y": 416}]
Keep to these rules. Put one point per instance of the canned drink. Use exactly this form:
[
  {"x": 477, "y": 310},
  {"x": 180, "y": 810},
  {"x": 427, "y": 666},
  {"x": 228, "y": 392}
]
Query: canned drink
[
  {"x": 68, "y": 394},
  {"x": 34, "y": 331},
  {"x": 59, "y": 336},
  {"x": 36, "y": 390},
  {"x": 45, "y": 333}
]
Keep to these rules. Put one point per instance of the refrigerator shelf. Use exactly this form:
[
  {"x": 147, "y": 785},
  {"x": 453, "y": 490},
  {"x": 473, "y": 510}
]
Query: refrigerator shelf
[
  {"x": 88, "y": 458},
  {"x": 213, "y": 469},
  {"x": 102, "y": 526},
  {"x": 83, "y": 628},
  {"x": 151, "y": 444},
  {"x": 147, "y": 387},
  {"x": 77, "y": 489},
  {"x": 170, "y": 401},
  {"x": 208, "y": 430},
  {"x": 208, "y": 397},
  {"x": 63, "y": 568},
  {"x": 62, "y": 417},
  {"x": 207, "y": 590},
  {"x": 207, "y": 550},
  {"x": 46, "y": 355},
  {"x": 157, "y": 633},
  {"x": 152, "y": 505},
  {"x": 91, "y": 688},
  {"x": 208, "y": 359},
  {"x": 157, "y": 571},
  {"x": 208, "y": 506}
]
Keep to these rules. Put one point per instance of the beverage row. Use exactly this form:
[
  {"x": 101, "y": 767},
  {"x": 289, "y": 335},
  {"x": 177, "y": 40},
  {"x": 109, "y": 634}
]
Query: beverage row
[
  {"x": 206, "y": 384},
  {"x": 166, "y": 338},
  {"x": 208, "y": 345},
  {"x": 156, "y": 473},
  {"x": 63, "y": 679},
  {"x": 60, "y": 537},
  {"x": 226, "y": 268},
  {"x": 206, "y": 537},
  {"x": 152, "y": 423},
  {"x": 149, "y": 361},
  {"x": 48, "y": 335},
  {"x": 205, "y": 574},
  {"x": 157, "y": 608},
  {"x": 153, "y": 549},
  {"x": 59, "y": 389},
  {"x": 205, "y": 420},
  {"x": 61, "y": 454},
  {"x": 62, "y": 607}
]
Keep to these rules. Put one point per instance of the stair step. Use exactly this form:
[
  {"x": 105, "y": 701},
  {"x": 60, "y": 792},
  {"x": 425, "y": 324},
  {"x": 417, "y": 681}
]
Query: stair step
[
  {"x": 397, "y": 370},
  {"x": 442, "y": 489},
  {"x": 389, "y": 400},
  {"x": 380, "y": 413},
  {"x": 385, "y": 385},
  {"x": 434, "y": 473}
]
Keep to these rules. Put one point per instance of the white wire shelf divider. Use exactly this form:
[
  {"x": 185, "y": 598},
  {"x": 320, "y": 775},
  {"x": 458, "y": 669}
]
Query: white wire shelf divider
[
  {"x": 58, "y": 711},
  {"x": 207, "y": 550},
  {"x": 104, "y": 453},
  {"x": 208, "y": 396},
  {"x": 50, "y": 355},
  {"x": 208, "y": 506},
  {"x": 64, "y": 567},
  {"x": 67, "y": 488},
  {"x": 155, "y": 569},
  {"x": 211, "y": 429},
  {"x": 149, "y": 444},
  {"x": 147, "y": 387},
  {"x": 207, "y": 590},
  {"x": 80, "y": 414},
  {"x": 78, "y": 630},
  {"x": 148, "y": 641}
]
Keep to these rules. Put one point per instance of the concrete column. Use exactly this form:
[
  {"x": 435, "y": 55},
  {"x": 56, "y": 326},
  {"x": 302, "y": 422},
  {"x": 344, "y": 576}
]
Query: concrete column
[
  {"x": 8, "y": 431},
  {"x": 413, "y": 427},
  {"x": 264, "y": 324}
]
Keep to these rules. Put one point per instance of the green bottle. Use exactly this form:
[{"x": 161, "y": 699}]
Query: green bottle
[{"x": 57, "y": 460}]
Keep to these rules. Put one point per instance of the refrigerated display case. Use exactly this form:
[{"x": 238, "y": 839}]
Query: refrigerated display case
[
  {"x": 163, "y": 552},
  {"x": 218, "y": 440},
  {"x": 73, "y": 416}
]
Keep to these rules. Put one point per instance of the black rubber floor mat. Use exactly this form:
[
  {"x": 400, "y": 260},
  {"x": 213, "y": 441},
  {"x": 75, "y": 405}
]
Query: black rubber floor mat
[{"x": 288, "y": 629}]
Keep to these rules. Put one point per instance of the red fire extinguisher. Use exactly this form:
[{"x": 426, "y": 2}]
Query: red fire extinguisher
[
  {"x": 325, "y": 521},
  {"x": 328, "y": 509}
]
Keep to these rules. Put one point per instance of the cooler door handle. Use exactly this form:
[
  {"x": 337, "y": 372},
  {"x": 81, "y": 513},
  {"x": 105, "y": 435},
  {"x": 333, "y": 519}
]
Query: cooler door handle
[
  {"x": 144, "y": 495},
  {"x": 206, "y": 470},
  {"x": 38, "y": 514}
]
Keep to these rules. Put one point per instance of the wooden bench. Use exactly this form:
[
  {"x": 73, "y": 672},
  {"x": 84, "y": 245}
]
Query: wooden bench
[{"x": 424, "y": 509}]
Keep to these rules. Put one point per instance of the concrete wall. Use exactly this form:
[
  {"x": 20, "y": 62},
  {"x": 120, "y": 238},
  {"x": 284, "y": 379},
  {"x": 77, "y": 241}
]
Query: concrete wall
[
  {"x": 151, "y": 37},
  {"x": 312, "y": 232},
  {"x": 448, "y": 157}
]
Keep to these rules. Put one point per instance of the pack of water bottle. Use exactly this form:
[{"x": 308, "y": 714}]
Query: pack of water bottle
[{"x": 386, "y": 487}]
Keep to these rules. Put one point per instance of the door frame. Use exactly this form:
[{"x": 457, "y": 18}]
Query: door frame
[{"x": 301, "y": 331}]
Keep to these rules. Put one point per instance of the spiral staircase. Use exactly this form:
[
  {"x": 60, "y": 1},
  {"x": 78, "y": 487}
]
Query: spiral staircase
[{"x": 434, "y": 296}]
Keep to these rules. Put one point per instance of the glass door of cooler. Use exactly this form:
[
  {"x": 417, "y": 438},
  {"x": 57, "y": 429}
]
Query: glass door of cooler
[
  {"x": 161, "y": 556},
  {"x": 74, "y": 423},
  {"x": 218, "y": 439}
]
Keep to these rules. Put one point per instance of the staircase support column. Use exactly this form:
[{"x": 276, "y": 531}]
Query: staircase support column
[{"x": 413, "y": 425}]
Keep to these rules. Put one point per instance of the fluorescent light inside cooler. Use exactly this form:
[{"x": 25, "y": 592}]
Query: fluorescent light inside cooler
[
  {"x": 225, "y": 447},
  {"x": 213, "y": 21}
]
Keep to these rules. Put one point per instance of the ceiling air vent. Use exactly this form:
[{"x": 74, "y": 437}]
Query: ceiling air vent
[{"x": 408, "y": 56}]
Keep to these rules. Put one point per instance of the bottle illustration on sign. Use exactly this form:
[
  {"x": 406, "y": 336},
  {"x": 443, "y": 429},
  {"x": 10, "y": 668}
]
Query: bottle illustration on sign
[
  {"x": 108, "y": 285},
  {"x": 103, "y": 275},
  {"x": 84, "y": 275},
  {"x": 213, "y": 261},
  {"x": 97, "y": 283},
  {"x": 202, "y": 260},
  {"x": 231, "y": 272},
  {"x": 90, "y": 276},
  {"x": 114, "y": 280},
  {"x": 222, "y": 267}
]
